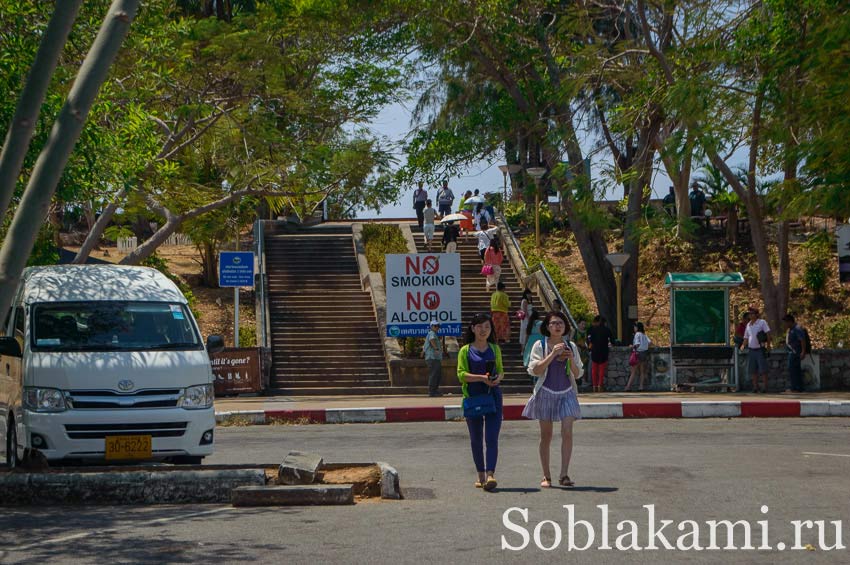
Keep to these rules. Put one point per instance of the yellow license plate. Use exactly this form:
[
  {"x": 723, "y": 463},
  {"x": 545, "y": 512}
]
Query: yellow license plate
[{"x": 128, "y": 447}]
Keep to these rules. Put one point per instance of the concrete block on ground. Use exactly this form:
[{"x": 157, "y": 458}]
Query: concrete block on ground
[
  {"x": 720, "y": 409},
  {"x": 299, "y": 469},
  {"x": 454, "y": 412},
  {"x": 301, "y": 495},
  {"x": 132, "y": 487},
  {"x": 389, "y": 482}
]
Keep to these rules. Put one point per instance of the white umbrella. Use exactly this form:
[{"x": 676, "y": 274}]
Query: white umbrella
[
  {"x": 474, "y": 200},
  {"x": 453, "y": 218}
]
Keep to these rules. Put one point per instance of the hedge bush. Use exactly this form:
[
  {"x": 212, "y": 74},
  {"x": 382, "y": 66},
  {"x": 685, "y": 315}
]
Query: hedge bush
[{"x": 380, "y": 239}]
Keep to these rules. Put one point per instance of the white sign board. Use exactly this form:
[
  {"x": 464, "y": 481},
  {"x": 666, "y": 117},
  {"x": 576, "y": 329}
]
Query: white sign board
[
  {"x": 843, "y": 232},
  {"x": 422, "y": 288}
]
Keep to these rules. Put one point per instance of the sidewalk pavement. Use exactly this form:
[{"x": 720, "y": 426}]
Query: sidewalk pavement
[{"x": 412, "y": 408}]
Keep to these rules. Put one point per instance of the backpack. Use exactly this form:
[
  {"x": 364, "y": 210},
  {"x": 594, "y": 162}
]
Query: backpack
[{"x": 806, "y": 339}]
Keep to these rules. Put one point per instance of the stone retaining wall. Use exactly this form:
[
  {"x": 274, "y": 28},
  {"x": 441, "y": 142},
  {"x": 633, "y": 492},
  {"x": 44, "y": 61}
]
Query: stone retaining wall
[{"x": 826, "y": 369}]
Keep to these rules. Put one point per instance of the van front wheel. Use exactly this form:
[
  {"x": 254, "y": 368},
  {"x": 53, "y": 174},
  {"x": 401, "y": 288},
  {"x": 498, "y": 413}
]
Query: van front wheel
[{"x": 12, "y": 460}]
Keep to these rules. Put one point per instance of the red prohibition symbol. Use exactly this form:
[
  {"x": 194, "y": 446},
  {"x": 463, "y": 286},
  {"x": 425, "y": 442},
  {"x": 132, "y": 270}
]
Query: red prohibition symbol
[
  {"x": 431, "y": 300},
  {"x": 431, "y": 265}
]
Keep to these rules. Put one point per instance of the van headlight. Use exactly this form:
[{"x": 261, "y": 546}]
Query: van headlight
[
  {"x": 44, "y": 399},
  {"x": 198, "y": 396}
]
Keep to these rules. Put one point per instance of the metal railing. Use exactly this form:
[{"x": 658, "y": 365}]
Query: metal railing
[
  {"x": 262, "y": 284},
  {"x": 501, "y": 216},
  {"x": 539, "y": 267},
  {"x": 554, "y": 289}
]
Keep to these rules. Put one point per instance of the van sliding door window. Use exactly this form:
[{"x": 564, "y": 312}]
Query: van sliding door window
[{"x": 107, "y": 326}]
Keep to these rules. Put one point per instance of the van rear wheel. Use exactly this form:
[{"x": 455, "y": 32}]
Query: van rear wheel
[{"x": 12, "y": 460}]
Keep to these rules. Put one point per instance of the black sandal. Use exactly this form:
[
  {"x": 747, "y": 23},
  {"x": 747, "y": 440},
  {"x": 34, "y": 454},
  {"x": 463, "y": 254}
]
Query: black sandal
[{"x": 565, "y": 481}]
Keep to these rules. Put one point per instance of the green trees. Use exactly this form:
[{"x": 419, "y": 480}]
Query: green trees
[
  {"x": 270, "y": 98},
  {"x": 32, "y": 209},
  {"x": 645, "y": 82}
]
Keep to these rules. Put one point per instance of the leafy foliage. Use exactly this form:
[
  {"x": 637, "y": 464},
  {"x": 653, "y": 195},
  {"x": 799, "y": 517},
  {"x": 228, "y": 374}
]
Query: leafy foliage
[
  {"x": 816, "y": 268},
  {"x": 838, "y": 333},
  {"x": 379, "y": 240}
]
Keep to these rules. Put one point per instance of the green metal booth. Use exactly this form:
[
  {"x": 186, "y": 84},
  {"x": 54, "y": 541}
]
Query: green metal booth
[{"x": 700, "y": 349}]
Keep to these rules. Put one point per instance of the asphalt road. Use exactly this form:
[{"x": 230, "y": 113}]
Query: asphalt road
[{"x": 698, "y": 470}]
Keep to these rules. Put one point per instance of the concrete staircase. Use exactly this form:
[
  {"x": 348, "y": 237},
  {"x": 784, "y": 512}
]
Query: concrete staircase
[
  {"x": 324, "y": 334},
  {"x": 475, "y": 299}
]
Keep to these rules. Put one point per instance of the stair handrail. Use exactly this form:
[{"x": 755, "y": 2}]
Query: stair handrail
[
  {"x": 507, "y": 228},
  {"x": 262, "y": 284},
  {"x": 539, "y": 267},
  {"x": 542, "y": 268}
]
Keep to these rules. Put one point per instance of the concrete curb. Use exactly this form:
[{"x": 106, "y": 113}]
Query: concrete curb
[
  {"x": 131, "y": 487},
  {"x": 590, "y": 411}
]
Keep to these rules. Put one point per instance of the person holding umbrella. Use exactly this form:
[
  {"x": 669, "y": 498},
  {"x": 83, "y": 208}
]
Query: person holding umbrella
[{"x": 451, "y": 233}]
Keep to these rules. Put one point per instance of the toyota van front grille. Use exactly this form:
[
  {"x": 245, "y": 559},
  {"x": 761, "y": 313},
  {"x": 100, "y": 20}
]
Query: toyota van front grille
[
  {"x": 110, "y": 399},
  {"x": 100, "y": 431}
]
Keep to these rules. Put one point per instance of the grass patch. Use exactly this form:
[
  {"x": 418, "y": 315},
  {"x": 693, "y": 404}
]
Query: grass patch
[
  {"x": 379, "y": 240},
  {"x": 236, "y": 421}
]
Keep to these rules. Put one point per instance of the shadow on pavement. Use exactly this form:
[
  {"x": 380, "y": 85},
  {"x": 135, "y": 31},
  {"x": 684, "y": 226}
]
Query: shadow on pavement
[{"x": 586, "y": 489}]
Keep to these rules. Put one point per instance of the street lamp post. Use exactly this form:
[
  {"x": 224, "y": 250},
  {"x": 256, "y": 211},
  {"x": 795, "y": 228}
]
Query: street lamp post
[
  {"x": 617, "y": 261},
  {"x": 536, "y": 173},
  {"x": 509, "y": 169}
]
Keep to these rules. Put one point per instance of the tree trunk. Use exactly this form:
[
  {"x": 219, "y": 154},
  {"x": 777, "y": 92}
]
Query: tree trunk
[
  {"x": 150, "y": 245},
  {"x": 732, "y": 225},
  {"x": 593, "y": 249},
  {"x": 55, "y": 221},
  {"x": 29, "y": 104},
  {"x": 642, "y": 166},
  {"x": 88, "y": 212},
  {"x": 51, "y": 161},
  {"x": 97, "y": 230},
  {"x": 210, "y": 268}
]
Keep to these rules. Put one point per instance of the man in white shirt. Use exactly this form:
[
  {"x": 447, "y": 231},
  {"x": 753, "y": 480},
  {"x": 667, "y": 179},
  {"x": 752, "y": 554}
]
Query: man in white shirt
[
  {"x": 428, "y": 217},
  {"x": 757, "y": 339},
  {"x": 445, "y": 198}
]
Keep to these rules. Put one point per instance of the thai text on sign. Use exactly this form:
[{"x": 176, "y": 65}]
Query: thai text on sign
[{"x": 422, "y": 289}]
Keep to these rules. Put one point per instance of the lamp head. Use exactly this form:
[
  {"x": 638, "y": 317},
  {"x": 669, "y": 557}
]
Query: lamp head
[
  {"x": 617, "y": 260},
  {"x": 536, "y": 172}
]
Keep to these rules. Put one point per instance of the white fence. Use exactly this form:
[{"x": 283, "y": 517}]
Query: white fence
[
  {"x": 127, "y": 244},
  {"x": 178, "y": 239}
]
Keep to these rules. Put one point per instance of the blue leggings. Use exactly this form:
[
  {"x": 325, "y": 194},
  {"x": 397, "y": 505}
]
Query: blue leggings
[{"x": 486, "y": 428}]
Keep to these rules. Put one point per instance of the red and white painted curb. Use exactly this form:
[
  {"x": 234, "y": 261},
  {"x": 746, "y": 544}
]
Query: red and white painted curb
[{"x": 590, "y": 411}]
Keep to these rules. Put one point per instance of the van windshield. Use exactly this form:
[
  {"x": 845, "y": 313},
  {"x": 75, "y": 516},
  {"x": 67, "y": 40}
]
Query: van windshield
[{"x": 106, "y": 326}]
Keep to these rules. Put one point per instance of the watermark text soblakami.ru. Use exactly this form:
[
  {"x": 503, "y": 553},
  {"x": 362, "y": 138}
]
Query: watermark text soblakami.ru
[{"x": 653, "y": 533}]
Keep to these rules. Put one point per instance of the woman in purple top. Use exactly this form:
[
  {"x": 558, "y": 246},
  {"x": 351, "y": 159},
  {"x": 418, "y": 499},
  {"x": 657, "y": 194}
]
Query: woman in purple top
[{"x": 556, "y": 363}]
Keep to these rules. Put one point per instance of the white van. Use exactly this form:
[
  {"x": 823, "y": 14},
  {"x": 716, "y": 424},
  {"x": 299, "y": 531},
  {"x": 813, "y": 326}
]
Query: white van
[{"x": 104, "y": 362}]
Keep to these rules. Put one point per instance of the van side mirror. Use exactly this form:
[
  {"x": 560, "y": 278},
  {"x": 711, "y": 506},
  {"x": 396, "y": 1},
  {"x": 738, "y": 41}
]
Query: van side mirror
[
  {"x": 10, "y": 346},
  {"x": 215, "y": 343}
]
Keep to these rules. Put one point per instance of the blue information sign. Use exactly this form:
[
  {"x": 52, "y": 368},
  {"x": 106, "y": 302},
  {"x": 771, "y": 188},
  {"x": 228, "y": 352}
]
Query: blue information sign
[{"x": 236, "y": 268}]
